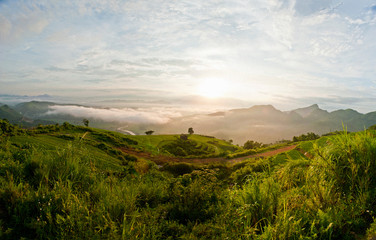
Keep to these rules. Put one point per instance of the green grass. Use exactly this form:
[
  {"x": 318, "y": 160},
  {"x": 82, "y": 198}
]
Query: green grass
[
  {"x": 294, "y": 155},
  {"x": 306, "y": 146},
  {"x": 42, "y": 141},
  {"x": 54, "y": 187},
  {"x": 50, "y": 144},
  {"x": 155, "y": 143},
  {"x": 245, "y": 152}
]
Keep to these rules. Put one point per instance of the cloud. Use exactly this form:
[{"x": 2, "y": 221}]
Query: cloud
[
  {"x": 260, "y": 46},
  {"x": 309, "y": 7},
  {"x": 128, "y": 115},
  {"x": 27, "y": 21},
  {"x": 5, "y": 27}
]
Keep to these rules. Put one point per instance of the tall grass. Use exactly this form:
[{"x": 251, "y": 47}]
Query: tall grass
[{"x": 66, "y": 194}]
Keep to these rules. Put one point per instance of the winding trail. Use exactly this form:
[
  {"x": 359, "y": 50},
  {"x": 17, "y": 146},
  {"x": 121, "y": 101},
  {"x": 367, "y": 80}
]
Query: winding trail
[
  {"x": 161, "y": 159},
  {"x": 265, "y": 154}
]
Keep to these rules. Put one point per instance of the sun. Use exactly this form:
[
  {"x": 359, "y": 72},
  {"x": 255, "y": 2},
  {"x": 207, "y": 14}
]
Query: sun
[{"x": 212, "y": 87}]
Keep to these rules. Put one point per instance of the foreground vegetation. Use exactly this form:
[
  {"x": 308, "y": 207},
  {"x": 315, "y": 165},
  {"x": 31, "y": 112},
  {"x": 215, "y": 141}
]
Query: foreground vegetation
[{"x": 66, "y": 182}]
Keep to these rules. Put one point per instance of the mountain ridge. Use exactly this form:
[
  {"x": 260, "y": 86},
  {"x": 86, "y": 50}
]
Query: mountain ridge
[
  {"x": 267, "y": 124},
  {"x": 262, "y": 123}
]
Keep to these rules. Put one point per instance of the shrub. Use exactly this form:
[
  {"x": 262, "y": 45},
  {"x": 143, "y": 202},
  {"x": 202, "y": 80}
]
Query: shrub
[
  {"x": 196, "y": 202},
  {"x": 306, "y": 137},
  {"x": 65, "y": 137},
  {"x": 185, "y": 147},
  {"x": 250, "y": 144},
  {"x": 6, "y": 128},
  {"x": 178, "y": 169}
]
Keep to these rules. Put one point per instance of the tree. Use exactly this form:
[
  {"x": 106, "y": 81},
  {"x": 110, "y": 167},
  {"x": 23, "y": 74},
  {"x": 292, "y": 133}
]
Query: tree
[
  {"x": 86, "y": 122},
  {"x": 250, "y": 144},
  {"x": 305, "y": 137},
  {"x": 150, "y": 132},
  {"x": 190, "y": 130},
  {"x": 67, "y": 126},
  {"x": 7, "y": 128}
]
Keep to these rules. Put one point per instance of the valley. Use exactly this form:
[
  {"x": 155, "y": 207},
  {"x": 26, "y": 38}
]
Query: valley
[{"x": 262, "y": 123}]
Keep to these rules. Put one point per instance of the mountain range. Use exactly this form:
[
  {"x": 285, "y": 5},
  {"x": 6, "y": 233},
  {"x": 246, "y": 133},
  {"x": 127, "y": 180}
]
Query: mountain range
[
  {"x": 262, "y": 123},
  {"x": 16, "y": 117},
  {"x": 266, "y": 124}
]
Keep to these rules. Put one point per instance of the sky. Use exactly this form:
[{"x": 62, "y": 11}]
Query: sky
[{"x": 238, "y": 53}]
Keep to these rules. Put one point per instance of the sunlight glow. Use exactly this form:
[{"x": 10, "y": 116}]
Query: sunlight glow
[{"x": 212, "y": 87}]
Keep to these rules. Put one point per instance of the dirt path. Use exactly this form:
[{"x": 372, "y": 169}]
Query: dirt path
[
  {"x": 161, "y": 159},
  {"x": 265, "y": 154}
]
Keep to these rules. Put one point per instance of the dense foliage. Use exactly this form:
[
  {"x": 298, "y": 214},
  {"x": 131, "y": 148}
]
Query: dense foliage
[
  {"x": 184, "y": 147},
  {"x": 305, "y": 137},
  {"x": 76, "y": 190},
  {"x": 250, "y": 144}
]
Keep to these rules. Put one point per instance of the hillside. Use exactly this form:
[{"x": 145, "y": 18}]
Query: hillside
[
  {"x": 37, "y": 110},
  {"x": 15, "y": 117},
  {"x": 72, "y": 182},
  {"x": 33, "y": 109},
  {"x": 8, "y": 113}
]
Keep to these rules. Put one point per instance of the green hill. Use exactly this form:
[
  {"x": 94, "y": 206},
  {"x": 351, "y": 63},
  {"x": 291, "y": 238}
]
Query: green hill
[
  {"x": 177, "y": 145},
  {"x": 8, "y": 113},
  {"x": 16, "y": 117},
  {"x": 33, "y": 109},
  {"x": 73, "y": 182}
]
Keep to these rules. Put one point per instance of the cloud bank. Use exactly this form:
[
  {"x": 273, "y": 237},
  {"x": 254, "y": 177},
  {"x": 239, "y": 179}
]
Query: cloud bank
[
  {"x": 125, "y": 115},
  {"x": 305, "y": 49}
]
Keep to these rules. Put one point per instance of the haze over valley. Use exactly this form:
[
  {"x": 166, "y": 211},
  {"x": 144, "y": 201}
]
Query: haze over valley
[{"x": 263, "y": 123}]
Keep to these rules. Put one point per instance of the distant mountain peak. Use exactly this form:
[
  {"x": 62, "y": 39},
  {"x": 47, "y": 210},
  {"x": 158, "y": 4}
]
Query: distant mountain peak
[
  {"x": 345, "y": 114},
  {"x": 265, "y": 107},
  {"x": 306, "y": 111}
]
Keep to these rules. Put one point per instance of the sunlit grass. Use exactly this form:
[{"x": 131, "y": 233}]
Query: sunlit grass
[{"x": 55, "y": 188}]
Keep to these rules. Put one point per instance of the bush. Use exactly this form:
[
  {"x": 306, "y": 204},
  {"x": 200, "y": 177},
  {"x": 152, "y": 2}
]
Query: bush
[
  {"x": 187, "y": 148},
  {"x": 306, "y": 137},
  {"x": 250, "y": 144},
  {"x": 65, "y": 137},
  {"x": 7, "y": 129},
  {"x": 198, "y": 201},
  {"x": 178, "y": 169}
]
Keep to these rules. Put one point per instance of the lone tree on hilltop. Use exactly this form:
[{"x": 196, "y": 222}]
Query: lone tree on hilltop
[
  {"x": 150, "y": 132},
  {"x": 190, "y": 130},
  {"x": 85, "y": 122}
]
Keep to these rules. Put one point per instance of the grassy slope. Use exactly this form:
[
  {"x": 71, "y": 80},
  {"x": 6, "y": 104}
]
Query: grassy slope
[
  {"x": 57, "y": 185},
  {"x": 154, "y": 143},
  {"x": 51, "y": 144}
]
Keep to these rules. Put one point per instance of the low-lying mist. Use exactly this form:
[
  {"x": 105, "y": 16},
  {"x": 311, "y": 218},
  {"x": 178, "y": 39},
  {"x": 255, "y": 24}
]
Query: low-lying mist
[
  {"x": 123, "y": 115},
  {"x": 261, "y": 123}
]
